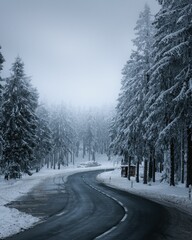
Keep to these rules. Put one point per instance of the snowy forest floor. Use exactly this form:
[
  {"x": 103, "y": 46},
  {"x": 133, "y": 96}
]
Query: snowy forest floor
[{"x": 12, "y": 221}]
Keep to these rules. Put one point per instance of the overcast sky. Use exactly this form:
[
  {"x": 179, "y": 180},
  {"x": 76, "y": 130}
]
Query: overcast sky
[{"x": 74, "y": 50}]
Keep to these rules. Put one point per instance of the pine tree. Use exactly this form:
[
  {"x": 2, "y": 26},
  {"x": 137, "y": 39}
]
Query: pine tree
[
  {"x": 19, "y": 122},
  {"x": 143, "y": 144},
  {"x": 44, "y": 137},
  {"x": 63, "y": 137},
  {"x": 92, "y": 131},
  {"x": 90, "y": 137},
  {"x": 102, "y": 120},
  {"x": 129, "y": 132},
  {"x": 1, "y": 92},
  {"x": 2, "y": 60}
]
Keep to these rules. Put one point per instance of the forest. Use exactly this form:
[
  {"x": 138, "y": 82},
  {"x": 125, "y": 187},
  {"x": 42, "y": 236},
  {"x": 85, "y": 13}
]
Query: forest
[
  {"x": 152, "y": 121},
  {"x": 34, "y": 134}
]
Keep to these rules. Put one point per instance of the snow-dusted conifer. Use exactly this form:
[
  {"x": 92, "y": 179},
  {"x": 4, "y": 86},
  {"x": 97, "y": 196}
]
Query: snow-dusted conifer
[
  {"x": 1, "y": 92},
  {"x": 92, "y": 131},
  {"x": 130, "y": 113},
  {"x": 19, "y": 122},
  {"x": 90, "y": 136},
  {"x": 63, "y": 136},
  {"x": 102, "y": 120},
  {"x": 44, "y": 137}
]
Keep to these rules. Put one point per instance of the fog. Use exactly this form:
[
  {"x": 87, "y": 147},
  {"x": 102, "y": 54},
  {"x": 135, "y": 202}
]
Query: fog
[{"x": 73, "y": 50}]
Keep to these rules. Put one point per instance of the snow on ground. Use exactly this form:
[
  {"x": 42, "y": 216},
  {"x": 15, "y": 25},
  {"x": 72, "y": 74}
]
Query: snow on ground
[
  {"x": 11, "y": 220},
  {"x": 177, "y": 196}
]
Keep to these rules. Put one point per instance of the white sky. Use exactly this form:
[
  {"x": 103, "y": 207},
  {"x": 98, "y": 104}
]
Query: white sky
[{"x": 74, "y": 50}]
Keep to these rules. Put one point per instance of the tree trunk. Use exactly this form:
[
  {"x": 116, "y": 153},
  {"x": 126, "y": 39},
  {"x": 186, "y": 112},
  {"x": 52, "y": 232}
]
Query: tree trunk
[
  {"x": 189, "y": 157},
  {"x": 89, "y": 153},
  {"x": 77, "y": 149},
  {"x": 67, "y": 158},
  {"x": 150, "y": 172},
  {"x": 182, "y": 159},
  {"x": 59, "y": 159},
  {"x": 145, "y": 172},
  {"x": 59, "y": 165},
  {"x": 109, "y": 155},
  {"x": 137, "y": 174},
  {"x": 161, "y": 167},
  {"x": 172, "y": 164},
  {"x": 93, "y": 156},
  {"x": 154, "y": 167},
  {"x": 47, "y": 159},
  {"x": 126, "y": 157},
  {"x": 84, "y": 149},
  {"x": 129, "y": 166},
  {"x": 54, "y": 160},
  {"x": 73, "y": 158}
]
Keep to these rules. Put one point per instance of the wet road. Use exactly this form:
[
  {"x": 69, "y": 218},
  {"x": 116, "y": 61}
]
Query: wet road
[{"x": 83, "y": 209}]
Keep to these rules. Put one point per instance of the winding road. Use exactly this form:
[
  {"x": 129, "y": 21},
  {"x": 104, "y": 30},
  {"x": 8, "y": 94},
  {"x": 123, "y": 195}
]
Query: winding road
[{"x": 84, "y": 209}]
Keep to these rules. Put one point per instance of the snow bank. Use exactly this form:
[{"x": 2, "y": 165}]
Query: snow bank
[
  {"x": 12, "y": 221},
  {"x": 160, "y": 192}
]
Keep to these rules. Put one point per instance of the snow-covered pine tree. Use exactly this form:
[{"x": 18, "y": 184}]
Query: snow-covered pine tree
[
  {"x": 92, "y": 131},
  {"x": 2, "y": 60},
  {"x": 90, "y": 136},
  {"x": 129, "y": 132},
  {"x": 125, "y": 111},
  {"x": 170, "y": 78},
  {"x": 102, "y": 131},
  {"x": 1, "y": 92},
  {"x": 63, "y": 137},
  {"x": 44, "y": 137},
  {"x": 19, "y": 122},
  {"x": 71, "y": 134},
  {"x": 144, "y": 144}
]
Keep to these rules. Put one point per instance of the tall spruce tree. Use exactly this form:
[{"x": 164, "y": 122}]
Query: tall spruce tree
[
  {"x": 19, "y": 122},
  {"x": 143, "y": 145},
  {"x": 63, "y": 137},
  {"x": 1, "y": 92},
  {"x": 129, "y": 134},
  {"x": 2, "y": 60},
  {"x": 44, "y": 137}
]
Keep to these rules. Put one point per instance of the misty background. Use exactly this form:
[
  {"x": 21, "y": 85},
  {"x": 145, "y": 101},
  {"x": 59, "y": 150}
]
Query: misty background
[{"x": 73, "y": 50}]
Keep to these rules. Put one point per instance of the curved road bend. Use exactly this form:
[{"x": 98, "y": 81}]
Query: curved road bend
[{"x": 83, "y": 209}]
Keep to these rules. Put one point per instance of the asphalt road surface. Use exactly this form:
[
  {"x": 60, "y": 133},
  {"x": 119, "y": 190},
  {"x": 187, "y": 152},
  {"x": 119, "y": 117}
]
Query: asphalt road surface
[{"x": 83, "y": 209}]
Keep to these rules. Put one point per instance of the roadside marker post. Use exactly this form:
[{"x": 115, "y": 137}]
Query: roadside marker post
[
  {"x": 131, "y": 184},
  {"x": 190, "y": 192}
]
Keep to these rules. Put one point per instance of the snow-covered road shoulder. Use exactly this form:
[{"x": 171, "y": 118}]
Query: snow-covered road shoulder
[
  {"x": 177, "y": 196},
  {"x": 12, "y": 221}
]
